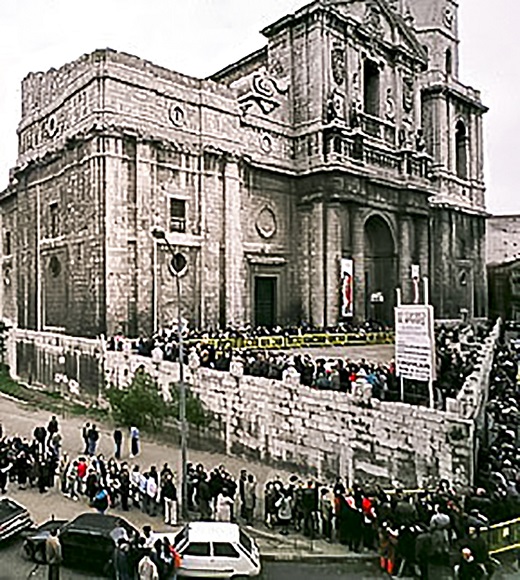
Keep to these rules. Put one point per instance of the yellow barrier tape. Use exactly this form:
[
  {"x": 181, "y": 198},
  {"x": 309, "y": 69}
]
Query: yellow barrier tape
[{"x": 298, "y": 341}]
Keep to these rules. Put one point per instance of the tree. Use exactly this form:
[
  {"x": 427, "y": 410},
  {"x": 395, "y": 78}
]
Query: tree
[{"x": 141, "y": 404}]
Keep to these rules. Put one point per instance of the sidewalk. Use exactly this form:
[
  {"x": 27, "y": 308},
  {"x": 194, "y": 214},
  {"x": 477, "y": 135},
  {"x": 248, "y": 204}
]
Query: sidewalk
[
  {"x": 19, "y": 418},
  {"x": 296, "y": 547}
]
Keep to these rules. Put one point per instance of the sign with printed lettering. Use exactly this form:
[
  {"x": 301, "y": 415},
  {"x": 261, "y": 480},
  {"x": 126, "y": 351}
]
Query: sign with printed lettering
[{"x": 415, "y": 342}]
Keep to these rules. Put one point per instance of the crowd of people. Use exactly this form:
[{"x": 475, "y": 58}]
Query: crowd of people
[
  {"x": 410, "y": 532},
  {"x": 498, "y": 477},
  {"x": 457, "y": 351}
]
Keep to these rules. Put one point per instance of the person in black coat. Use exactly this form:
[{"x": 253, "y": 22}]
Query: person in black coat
[
  {"x": 124, "y": 490},
  {"x": 118, "y": 443}
]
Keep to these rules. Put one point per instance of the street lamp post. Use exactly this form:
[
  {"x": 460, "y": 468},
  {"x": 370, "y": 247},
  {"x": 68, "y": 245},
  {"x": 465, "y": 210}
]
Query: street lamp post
[{"x": 178, "y": 265}]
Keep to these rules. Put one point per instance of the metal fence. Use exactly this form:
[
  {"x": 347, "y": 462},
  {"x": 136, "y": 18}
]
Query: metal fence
[
  {"x": 55, "y": 360},
  {"x": 502, "y": 537}
]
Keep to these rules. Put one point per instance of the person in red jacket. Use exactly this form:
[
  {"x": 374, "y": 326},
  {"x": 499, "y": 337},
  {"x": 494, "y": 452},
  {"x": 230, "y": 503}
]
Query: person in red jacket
[{"x": 82, "y": 474}]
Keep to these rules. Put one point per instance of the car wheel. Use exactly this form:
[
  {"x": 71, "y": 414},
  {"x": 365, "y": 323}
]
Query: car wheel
[
  {"x": 108, "y": 570},
  {"x": 27, "y": 551},
  {"x": 39, "y": 555}
]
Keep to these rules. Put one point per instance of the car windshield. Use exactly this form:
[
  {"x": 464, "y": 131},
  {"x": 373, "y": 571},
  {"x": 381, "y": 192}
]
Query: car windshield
[
  {"x": 9, "y": 509},
  {"x": 181, "y": 537},
  {"x": 246, "y": 541}
]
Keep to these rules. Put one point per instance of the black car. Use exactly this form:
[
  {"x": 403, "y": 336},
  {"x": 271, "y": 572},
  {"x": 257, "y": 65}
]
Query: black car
[
  {"x": 87, "y": 542},
  {"x": 14, "y": 518}
]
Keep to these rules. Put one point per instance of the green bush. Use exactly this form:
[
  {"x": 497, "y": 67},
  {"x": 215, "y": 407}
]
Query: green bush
[{"x": 141, "y": 404}]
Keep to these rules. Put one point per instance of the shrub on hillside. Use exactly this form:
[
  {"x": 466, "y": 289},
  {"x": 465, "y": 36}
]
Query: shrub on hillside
[{"x": 141, "y": 404}]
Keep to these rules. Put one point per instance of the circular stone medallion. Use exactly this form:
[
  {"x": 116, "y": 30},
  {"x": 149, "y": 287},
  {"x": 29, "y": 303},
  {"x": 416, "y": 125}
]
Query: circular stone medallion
[
  {"x": 177, "y": 115},
  {"x": 266, "y": 223}
]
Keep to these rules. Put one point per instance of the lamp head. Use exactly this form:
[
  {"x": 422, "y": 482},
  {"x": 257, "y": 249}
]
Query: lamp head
[{"x": 158, "y": 233}]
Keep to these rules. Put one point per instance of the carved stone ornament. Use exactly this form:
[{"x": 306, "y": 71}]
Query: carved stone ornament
[
  {"x": 51, "y": 126},
  {"x": 448, "y": 17},
  {"x": 177, "y": 115},
  {"x": 7, "y": 276},
  {"x": 266, "y": 143},
  {"x": 406, "y": 135},
  {"x": 335, "y": 106},
  {"x": 264, "y": 91},
  {"x": 372, "y": 20},
  {"x": 266, "y": 223},
  {"x": 338, "y": 63},
  {"x": 389, "y": 105},
  {"x": 408, "y": 93}
]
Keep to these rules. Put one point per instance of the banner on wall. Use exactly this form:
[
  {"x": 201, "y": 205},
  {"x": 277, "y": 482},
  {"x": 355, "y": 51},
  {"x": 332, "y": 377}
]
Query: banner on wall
[{"x": 347, "y": 287}]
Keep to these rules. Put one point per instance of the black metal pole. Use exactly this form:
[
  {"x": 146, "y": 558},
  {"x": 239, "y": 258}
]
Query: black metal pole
[{"x": 182, "y": 408}]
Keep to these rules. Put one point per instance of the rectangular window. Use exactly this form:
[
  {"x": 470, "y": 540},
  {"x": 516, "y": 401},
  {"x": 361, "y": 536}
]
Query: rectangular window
[
  {"x": 371, "y": 88},
  {"x": 54, "y": 220},
  {"x": 224, "y": 550},
  {"x": 7, "y": 248},
  {"x": 177, "y": 215},
  {"x": 197, "y": 549}
]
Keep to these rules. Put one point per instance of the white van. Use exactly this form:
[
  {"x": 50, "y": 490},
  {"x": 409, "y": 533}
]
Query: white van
[{"x": 216, "y": 550}]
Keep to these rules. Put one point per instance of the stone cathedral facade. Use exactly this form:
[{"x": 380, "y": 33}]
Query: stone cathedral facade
[{"x": 306, "y": 182}]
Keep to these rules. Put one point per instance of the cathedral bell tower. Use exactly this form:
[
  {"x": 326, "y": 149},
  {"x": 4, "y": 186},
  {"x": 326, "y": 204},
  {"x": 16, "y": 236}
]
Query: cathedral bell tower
[{"x": 452, "y": 119}]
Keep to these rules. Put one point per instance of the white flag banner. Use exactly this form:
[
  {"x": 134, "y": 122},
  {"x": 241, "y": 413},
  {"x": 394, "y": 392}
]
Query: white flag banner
[{"x": 347, "y": 287}]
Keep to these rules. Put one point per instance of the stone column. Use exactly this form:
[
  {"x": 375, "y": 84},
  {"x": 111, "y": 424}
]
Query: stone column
[
  {"x": 333, "y": 254},
  {"x": 405, "y": 259},
  {"x": 358, "y": 255},
  {"x": 234, "y": 254},
  {"x": 316, "y": 263},
  {"x": 303, "y": 261},
  {"x": 422, "y": 227}
]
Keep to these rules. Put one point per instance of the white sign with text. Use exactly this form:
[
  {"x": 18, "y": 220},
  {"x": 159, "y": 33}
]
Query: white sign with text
[{"x": 415, "y": 342}]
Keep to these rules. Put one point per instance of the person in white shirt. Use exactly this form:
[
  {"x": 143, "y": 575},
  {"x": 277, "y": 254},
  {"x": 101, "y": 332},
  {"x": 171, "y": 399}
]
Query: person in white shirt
[{"x": 146, "y": 569}]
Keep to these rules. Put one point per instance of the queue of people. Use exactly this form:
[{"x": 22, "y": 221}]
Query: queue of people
[{"x": 412, "y": 532}]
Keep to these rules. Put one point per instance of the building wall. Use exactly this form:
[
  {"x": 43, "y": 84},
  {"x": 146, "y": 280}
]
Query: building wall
[
  {"x": 503, "y": 239},
  {"x": 281, "y": 169}
]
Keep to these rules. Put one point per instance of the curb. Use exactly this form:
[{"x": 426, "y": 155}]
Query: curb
[
  {"x": 14, "y": 399},
  {"x": 310, "y": 558}
]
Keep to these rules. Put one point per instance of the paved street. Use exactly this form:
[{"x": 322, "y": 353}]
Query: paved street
[
  {"x": 14, "y": 567},
  {"x": 22, "y": 419}
]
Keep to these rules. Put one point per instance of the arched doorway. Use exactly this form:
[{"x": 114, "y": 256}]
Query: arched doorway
[{"x": 380, "y": 270}]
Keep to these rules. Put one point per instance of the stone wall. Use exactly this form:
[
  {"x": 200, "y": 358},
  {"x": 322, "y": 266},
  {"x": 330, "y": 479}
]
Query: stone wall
[{"x": 321, "y": 432}]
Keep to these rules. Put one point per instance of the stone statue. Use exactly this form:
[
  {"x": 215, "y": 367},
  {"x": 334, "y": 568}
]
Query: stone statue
[{"x": 390, "y": 105}]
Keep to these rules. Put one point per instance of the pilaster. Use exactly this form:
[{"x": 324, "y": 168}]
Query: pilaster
[
  {"x": 332, "y": 259},
  {"x": 423, "y": 246},
  {"x": 234, "y": 254},
  {"x": 358, "y": 255},
  {"x": 405, "y": 258},
  {"x": 316, "y": 264}
]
